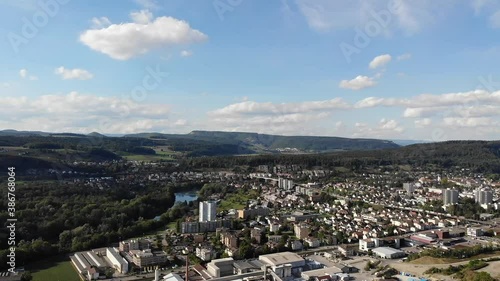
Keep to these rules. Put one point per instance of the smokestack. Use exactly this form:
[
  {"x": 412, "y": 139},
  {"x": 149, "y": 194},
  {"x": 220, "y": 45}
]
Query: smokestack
[
  {"x": 187, "y": 268},
  {"x": 157, "y": 275}
]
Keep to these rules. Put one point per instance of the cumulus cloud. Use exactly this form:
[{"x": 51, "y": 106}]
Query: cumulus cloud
[
  {"x": 186, "y": 53},
  {"x": 148, "y": 4},
  {"x": 422, "y": 123},
  {"x": 79, "y": 74},
  {"x": 277, "y": 118},
  {"x": 127, "y": 40},
  {"x": 380, "y": 61},
  {"x": 142, "y": 17},
  {"x": 83, "y": 113},
  {"x": 100, "y": 22},
  {"x": 469, "y": 122},
  {"x": 418, "y": 112},
  {"x": 287, "y": 124},
  {"x": 269, "y": 108},
  {"x": 24, "y": 74},
  {"x": 451, "y": 111},
  {"x": 358, "y": 83},
  {"x": 386, "y": 128}
]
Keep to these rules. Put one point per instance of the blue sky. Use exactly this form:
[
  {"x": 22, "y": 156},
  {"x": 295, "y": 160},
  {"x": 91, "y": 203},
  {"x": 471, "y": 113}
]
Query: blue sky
[{"x": 394, "y": 69}]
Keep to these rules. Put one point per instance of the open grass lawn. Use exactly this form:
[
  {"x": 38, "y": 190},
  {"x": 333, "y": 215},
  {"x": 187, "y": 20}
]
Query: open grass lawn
[
  {"x": 237, "y": 200},
  {"x": 172, "y": 225},
  {"x": 53, "y": 270},
  {"x": 431, "y": 260},
  {"x": 147, "y": 157},
  {"x": 163, "y": 150}
]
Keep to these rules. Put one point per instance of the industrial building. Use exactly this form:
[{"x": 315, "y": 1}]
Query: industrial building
[
  {"x": 388, "y": 253},
  {"x": 329, "y": 271},
  {"x": 284, "y": 264},
  {"x": 367, "y": 244},
  {"x": 119, "y": 263},
  {"x": 474, "y": 231},
  {"x": 91, "y": 264},
  {"x": 220, "y": 267},
  {"x": 147, "y": 257}
]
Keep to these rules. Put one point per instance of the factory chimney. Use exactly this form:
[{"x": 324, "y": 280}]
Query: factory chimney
[
  {"x": 187, "y": 268},
  {"x": 157, "y": 275}
]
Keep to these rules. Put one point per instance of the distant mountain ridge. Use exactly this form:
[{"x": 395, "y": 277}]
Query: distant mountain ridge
[
  {"x": 265, "y": 142},
  {"x": 239, "y": 142}
]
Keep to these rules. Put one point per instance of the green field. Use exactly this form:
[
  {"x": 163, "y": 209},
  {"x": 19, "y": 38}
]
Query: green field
[
  {"x": 136, "y": 157},
  {"x": 53, "y": 271},
  {"x": 237, "y": 200}
]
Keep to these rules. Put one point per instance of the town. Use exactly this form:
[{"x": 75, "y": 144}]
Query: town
[{"x": 290, "y": 223}]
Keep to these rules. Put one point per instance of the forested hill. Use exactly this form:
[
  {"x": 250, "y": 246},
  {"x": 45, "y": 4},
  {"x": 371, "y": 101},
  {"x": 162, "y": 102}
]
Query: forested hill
[
  {"x": 273, "y": 143},
  {"x": 480, "y": 156}
]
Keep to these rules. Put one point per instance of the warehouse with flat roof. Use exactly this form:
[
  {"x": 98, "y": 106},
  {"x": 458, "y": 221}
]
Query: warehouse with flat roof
[
  {"x": 284, "y": 262},
  {"x": 388, "y": 253}
]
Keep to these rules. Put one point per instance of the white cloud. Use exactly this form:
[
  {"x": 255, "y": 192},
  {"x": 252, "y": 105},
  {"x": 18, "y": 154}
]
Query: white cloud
[
  {"x": 268, "y": 108},
  {"x": 477, "y": 111},
  {"x": 24, "y": 74},
  {"x": 422, "y": 123},
  {"x": 418, "y": 112},
  {"x": 384, "y": 129},
  {"x": 186, "y": 53},
  {"x": 495, "y": 19},
  {"x": 288, "y": 124},
  {"x": 469, "y": 122},
  {"x": 67, "y": 74},
  {"x": 406, "y": 56},
  {"x": 408, "y": 16},
  {"x": 148, "y": 4},
  {"x": 278, "y": 118},
  {"x": 83, "y": 113},
  {"x": 142, "y": 17},
  {"x": 358, "y": 83},
  {"x": 181, "y": 122},
  {"x": 380, "y": 61},
  {"x": 430, "y": 100},
  {"x": 101, "y": 22},
  {"x": 128, "y": 40}
]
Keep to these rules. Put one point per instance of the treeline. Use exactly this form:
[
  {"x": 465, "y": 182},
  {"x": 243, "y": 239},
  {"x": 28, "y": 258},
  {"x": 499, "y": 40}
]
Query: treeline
[
  {"x": 479, "y": 156},
  {"x": 454, "y": 253},
  {"x": 467, "y": 207},
  {"x": 60, "y": 218},
  {"x": 126, "y": 145}
]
